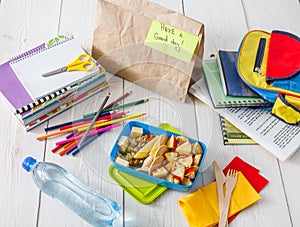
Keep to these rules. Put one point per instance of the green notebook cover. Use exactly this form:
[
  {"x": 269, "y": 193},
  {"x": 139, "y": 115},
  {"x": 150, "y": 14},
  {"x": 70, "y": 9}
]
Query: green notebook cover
[{"x": 219, "y": 99}]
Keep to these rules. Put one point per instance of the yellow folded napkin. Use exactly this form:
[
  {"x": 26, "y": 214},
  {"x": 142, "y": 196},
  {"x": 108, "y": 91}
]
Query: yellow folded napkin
[{"x": 201, "y": 207}]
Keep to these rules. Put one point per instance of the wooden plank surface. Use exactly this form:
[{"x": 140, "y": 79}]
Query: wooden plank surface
[{"x": 225, "y": 24}]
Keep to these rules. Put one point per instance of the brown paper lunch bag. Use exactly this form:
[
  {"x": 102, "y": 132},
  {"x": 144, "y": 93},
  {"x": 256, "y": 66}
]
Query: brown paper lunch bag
[{"x": 121, "y": 27}]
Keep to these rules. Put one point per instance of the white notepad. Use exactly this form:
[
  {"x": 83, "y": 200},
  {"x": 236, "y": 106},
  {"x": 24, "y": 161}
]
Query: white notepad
[{"x": 30, "y": 66}]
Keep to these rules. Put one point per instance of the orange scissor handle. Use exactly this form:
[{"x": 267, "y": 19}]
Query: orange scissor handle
[{"x": 81, "y": 63}]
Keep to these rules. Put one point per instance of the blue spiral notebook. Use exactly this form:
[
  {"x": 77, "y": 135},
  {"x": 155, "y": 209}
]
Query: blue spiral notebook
[
  {"x": 232, "y": 84},
  {"x": 219, "y": 99}
]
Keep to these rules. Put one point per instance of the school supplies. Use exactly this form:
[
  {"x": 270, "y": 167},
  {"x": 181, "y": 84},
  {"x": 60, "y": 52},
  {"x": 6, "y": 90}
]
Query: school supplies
[
  {"x": 280, "y": 139},
  {"x": 81, "y": 63},
  {"x": 232, "y": 135},
  {"x": 219, "y": 99},
  {"x": 269, "y": 63},
  {"x": 34, "y": 99},
  {"x": 115, "y": 102},
  {"x": 93, "y": 121},
  {"x": 231, "y": 82},
  {"x": 89, "y": 134},
  {"x": 85, "y": 127},
  {"x": 29, "y": 68},
  {"x": 119, "y": 107}
]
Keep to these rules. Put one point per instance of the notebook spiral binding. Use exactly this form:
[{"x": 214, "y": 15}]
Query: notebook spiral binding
[
  {"x": 42, "y": 100},
  {"x": 41, "y": 48}
]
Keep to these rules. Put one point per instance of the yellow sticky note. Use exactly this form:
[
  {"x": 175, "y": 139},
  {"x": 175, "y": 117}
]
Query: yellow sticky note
[{"x": 172, "y": 41}]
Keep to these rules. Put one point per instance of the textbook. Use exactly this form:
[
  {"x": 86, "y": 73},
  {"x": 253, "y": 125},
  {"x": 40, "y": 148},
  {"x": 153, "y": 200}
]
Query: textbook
[
  {"x": 232, "y": 84},
  {"x": 232, "y": 135},
  {"x": 219, "y": 99},
  {"x": 277, "y": 137}
]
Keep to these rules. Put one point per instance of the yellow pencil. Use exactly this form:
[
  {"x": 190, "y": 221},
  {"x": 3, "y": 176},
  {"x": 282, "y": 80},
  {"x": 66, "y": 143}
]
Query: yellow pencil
[{"x": 81, "y": 128}]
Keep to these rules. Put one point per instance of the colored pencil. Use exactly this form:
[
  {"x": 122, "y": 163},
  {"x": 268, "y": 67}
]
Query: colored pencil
[
  {"x": 119, "y": 107},
  {"x": 108, "y": 117},
  {"x": 90, "y": 134},
  {"x": 65, "y": 149},
  {"x": 117, "y": 100},
  {"x": 83, "y": 128},
  {"x": 87, "y": 142},
  {"x": 56, "y": 148},
  {"x": 74, "y": 121},
  {"x": 93, "y": 121},
  {"x": 71, "y": 134}
]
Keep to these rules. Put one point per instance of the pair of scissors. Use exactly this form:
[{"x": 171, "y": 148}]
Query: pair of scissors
[{"x": 81, "y": 63}]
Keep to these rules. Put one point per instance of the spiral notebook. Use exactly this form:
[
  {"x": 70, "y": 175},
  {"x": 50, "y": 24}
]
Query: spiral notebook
[
  {"x": 232, "y": 135},
  {"x": 219, "y": 99},
  {"x": 30, "y": 66}
]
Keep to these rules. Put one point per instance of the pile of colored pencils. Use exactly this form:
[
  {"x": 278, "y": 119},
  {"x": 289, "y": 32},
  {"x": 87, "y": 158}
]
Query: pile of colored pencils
[{"x": 81, "y": 132}]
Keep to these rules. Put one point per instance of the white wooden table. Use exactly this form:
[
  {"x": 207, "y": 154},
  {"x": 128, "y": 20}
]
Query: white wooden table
[{"x": 26, "y": 23}]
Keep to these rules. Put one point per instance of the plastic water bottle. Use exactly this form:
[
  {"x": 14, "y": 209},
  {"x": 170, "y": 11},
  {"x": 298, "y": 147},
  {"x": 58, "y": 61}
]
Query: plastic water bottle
[{"x": 92, "y": 206}]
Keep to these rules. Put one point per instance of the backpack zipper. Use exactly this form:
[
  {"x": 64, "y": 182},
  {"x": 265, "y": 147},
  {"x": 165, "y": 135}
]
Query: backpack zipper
[{"x": 259, "y": 56}]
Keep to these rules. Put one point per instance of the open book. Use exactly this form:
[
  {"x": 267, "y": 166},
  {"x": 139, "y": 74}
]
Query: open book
[{"x": 279, "y": 138}]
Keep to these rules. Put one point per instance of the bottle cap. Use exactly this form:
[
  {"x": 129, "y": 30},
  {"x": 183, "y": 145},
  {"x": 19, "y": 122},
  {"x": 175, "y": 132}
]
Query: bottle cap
[{"x": 28, "y": 163}]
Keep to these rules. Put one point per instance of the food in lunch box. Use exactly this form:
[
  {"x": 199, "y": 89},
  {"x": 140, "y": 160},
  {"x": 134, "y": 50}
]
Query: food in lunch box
[{"x": 173, "y": 158}]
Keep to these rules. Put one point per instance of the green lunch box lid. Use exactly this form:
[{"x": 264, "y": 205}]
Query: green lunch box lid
[{"x": 141, "y": 190}]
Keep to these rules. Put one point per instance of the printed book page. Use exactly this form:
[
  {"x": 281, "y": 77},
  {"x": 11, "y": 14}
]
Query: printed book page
[{"x": 279, "y": 138}]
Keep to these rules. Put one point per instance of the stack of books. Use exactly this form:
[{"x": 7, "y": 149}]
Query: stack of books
[
  {"x": 225, "y": 86},
  {"x": 250, "y": 116},
  {"x": 34, "y": 98},
  {"x": 226, "y": 90}
]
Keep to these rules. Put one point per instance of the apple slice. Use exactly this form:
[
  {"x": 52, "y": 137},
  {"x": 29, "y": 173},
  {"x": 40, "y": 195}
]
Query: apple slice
[
  {"x": 184, "y": 149},
  {"x": 178, "y": 171},
  {"x": 186, "y": 181},
  {"x": 169, "y": 166},
  {"x": 170, "y": 178},
  {"x": 172, "y": 143},
  {"x": 197, "y": 159},
  {"x": 160, "y": 172},
  {"x": 187, "y": 162},
  {"x": 196, "y": 148},
  {"x": 190, "y": 172},
  {"x": 170, "y": 156},
  {"x": 181, "y": 140}
]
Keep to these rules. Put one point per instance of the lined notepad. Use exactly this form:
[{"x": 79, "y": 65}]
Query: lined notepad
[{"x": 29, "y": 68}]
